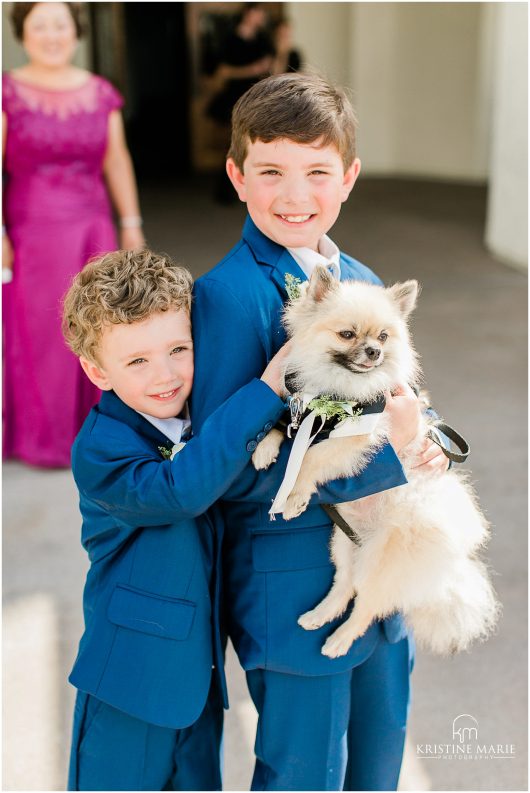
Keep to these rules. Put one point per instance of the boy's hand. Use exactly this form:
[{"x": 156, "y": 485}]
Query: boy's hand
[
  {"x": 431, "y": 459},
  {"x": 404, "y": 410},
  {"x": 273, "y": 374}
]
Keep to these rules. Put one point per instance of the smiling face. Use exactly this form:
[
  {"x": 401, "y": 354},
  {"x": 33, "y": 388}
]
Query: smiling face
[
  {"x": 293, "y": 191},
  {"x": 49, "y": 35},
  {"x": 149, "y": 364}
]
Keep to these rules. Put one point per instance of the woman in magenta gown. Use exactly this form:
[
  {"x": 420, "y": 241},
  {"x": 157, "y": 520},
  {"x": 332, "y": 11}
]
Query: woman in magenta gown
[{"x": 63, "y": 138}]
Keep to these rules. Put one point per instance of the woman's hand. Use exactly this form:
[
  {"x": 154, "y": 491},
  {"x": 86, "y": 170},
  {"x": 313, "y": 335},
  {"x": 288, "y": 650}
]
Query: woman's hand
[
  {"x": 7, "y": 257},
  {"x": 131, "y": 239}
]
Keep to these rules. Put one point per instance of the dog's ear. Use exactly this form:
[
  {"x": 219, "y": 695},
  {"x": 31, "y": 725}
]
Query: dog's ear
[
  {"x": 321, "y": 283},
  {"x": 405, "y": 295}
]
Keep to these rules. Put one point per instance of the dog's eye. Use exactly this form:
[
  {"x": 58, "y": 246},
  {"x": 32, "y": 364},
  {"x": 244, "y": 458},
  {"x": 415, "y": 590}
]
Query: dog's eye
[
  {"x": 347, "y": 334},
  {"x": 383, "y": 336}
]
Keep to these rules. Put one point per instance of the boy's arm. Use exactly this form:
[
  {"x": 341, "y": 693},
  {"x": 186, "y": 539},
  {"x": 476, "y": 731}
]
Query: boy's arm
[
  {"x": 228, "y": 352},
  {"x": 262, "y": 486},
  {"x": 433, "y": 458},
  {"x": 142, "y": 489}
]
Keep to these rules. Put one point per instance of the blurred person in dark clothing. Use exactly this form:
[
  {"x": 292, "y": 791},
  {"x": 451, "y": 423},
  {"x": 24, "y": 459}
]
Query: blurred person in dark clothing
[
  {"x": 246, "y": 56},
  {"x": 286, "y": 58}
]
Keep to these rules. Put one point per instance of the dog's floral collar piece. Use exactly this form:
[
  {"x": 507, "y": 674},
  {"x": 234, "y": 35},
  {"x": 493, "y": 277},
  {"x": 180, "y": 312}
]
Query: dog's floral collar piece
[
  {"x": 330, "y": 408},
  {"x": 347, "y": 419},
  {"x": 167, "y": 453},
  {"x": 292, "y": 286}
]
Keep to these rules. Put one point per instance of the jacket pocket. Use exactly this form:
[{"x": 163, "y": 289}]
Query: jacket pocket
[
  {"x": 281, "y": 551},
  {"x": 169, "y": 618}
]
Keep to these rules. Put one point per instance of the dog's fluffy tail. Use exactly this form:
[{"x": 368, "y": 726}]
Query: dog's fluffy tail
[{"x": 469, "y": 612}]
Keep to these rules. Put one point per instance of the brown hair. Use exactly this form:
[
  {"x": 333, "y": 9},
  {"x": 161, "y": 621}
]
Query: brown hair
[
  {"x": 300, "y": 107},
  {"x": 20, "y": 11},
  {"x": 120, "y": 288}
]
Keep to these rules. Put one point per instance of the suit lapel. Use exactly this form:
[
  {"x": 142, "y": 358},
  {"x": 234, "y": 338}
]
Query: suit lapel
[
  {"x": 274, "y": 256},
  {"x": 286, "y": 264},
  {"x": 111, "y": 405}
]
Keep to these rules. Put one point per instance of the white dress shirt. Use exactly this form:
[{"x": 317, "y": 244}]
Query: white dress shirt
[
  {"x": 328, "y": 256},
  {"x": 172, "y": 428}
]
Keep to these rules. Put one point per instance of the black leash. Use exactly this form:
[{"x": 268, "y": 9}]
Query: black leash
[
  {"x": 339, "y": 521},
  {"x": 452, "y": 434}
]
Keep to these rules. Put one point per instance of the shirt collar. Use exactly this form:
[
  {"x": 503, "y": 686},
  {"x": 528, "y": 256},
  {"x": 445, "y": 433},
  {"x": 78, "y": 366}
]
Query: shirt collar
[
  {"x": 172, "y": 428},
  {"x": 328, "y": 255}
]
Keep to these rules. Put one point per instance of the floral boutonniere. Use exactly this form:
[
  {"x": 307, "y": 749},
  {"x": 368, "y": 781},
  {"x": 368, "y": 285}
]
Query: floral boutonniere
[
  {"x": 167, "y": 453},
  {"x": 330, "y": 408},
  {"x": 292, "y": 286}
]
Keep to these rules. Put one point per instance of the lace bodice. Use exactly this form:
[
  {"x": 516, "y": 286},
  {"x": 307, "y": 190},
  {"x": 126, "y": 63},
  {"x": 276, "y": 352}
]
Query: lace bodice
[{"x": 56, "y": 142}]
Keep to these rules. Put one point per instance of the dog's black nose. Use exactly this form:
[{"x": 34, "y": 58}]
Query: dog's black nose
[{"x": 372, "y": 353}]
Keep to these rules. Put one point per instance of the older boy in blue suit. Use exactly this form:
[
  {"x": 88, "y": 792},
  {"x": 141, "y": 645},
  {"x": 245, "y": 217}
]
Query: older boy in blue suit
[
  {"x": 143, "y": 719},
  {"x": 292, "y": 160}
]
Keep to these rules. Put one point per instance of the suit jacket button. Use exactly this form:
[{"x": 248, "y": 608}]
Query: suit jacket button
[
  {"x": 268, "y": 426},
  {"x": 260, "y": 436},
  {"x": 252, "y": 446}
]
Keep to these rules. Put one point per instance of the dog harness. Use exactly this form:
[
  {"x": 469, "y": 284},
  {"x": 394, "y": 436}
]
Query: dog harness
[
  {"x": 339, "y": 418},
  {"x": 335, "y": 418}
]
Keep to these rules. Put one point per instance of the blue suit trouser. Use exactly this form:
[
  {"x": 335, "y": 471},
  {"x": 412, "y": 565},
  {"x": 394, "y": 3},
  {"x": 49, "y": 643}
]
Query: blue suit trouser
[
  {"x": 380, "y": 699},
  {"x": 333, "y": 732},
  {"x": 114, "y": 751}
]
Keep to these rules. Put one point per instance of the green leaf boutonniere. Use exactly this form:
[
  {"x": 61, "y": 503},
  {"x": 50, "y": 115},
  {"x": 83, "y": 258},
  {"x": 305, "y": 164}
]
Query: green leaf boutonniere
[
  {"x": 292, "y": 286},
  {"x": 168, "y": 454},
  {"x": 331, "y": 408}
]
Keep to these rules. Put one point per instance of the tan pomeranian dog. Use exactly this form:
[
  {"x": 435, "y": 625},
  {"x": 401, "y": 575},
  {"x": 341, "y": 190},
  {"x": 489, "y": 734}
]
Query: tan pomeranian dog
[{"x": 418, "y": 542}]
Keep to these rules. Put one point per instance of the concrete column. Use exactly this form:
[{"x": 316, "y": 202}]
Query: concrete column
[{"x": 507, "y": 217}]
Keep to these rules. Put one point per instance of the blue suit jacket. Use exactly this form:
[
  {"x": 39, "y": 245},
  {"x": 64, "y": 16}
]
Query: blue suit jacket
[
  {"x": 148, "y": 648},
  {"x": 273, "y": 571}
]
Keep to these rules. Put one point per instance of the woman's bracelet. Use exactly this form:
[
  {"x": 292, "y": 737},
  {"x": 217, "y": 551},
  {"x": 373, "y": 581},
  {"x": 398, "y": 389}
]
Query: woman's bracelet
[
  {"x": 131, "y": 222},
  {"x": 4, "y": 232}
]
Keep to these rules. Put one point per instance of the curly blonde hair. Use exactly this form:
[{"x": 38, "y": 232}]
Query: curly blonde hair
[{"x": 120, "y": 288}]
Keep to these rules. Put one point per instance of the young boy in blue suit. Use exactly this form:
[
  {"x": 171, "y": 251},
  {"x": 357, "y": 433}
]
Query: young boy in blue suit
[
  {"x": 143, "y": 718},
  {"x": 323, "y": 724}
]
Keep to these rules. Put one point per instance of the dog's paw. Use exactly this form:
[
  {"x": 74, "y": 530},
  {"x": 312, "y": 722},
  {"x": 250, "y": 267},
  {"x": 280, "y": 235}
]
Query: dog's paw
[
  {"x": 310, "y": 620},
  {"x": 295, "y": 505},
  {"x": 264, "y": 456},
  {"x": 338, "y": 643}
]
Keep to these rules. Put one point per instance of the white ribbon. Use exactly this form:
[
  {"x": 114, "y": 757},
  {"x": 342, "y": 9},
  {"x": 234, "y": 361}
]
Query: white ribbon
[
  {"x": 301, "y": 444},
  {"x": 357, "y": 425}
]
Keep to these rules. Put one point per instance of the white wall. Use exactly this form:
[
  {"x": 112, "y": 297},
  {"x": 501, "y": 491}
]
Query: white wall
[
  {"x": 322, "y": 30},
  {"x": 415, "y": 72},
  {"x": 507, "y": 220},
  {"x": 421, "y": 80}
]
